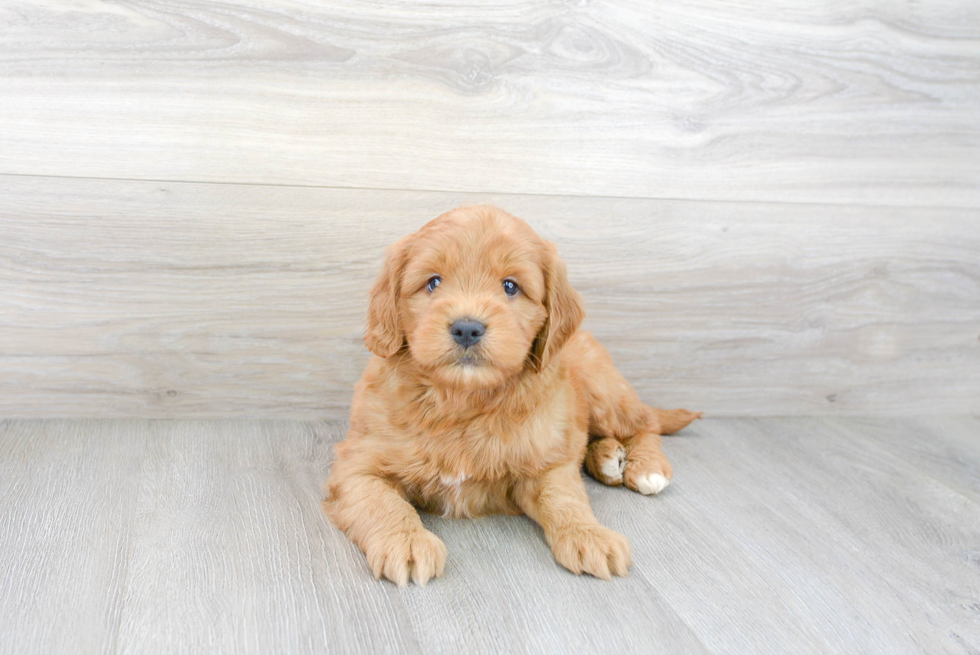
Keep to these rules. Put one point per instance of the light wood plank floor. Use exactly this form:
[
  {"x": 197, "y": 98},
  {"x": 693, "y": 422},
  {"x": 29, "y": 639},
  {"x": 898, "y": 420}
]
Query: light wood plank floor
[{"x": 779, "y": 535}]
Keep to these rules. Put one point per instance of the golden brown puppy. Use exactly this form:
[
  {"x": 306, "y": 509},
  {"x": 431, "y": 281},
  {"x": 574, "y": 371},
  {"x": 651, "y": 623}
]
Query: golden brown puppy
[{"x": 482, "y": 399}]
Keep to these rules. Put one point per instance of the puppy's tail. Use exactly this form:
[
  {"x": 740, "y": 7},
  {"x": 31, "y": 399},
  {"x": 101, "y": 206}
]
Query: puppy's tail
[{"x": 672, "y": 420}]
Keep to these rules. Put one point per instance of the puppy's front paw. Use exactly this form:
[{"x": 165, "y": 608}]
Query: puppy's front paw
[
  {"x": 416, "y": 554},
  {"x": 595, "y": 550},
  {"x": 647, "y": 475}
]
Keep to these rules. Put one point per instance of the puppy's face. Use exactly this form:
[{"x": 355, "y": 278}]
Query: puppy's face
[{"x": 476, "y": 297}]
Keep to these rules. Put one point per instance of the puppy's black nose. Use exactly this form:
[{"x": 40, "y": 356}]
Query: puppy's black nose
[{"x": 467, "y": 332}]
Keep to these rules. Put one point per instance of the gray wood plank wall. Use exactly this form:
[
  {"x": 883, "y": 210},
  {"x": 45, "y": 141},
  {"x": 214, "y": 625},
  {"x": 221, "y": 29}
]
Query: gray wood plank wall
[
  {"x": 770, "y": 209},
  {"x": 867, "y": 101}
]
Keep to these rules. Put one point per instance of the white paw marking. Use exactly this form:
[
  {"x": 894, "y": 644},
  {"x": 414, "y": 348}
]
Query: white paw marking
[
  {"x": 651, "y": 483},
  {"x": 612, "y": 468}
]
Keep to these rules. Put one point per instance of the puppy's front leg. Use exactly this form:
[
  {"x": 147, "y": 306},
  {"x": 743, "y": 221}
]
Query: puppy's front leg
[
  {"x": 557, "y": 501},
  {"x": 377, "y": 518}
]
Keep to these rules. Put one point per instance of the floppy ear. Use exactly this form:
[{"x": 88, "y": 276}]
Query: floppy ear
[
  {"x": 564, "y": 307},
  {"x": 383, "y": 336}
]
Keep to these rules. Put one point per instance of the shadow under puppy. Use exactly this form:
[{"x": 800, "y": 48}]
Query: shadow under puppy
[{"x": 482, "y": 399}]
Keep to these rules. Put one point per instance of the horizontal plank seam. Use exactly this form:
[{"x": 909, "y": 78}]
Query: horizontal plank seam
[{"x": 718, "y": 200}]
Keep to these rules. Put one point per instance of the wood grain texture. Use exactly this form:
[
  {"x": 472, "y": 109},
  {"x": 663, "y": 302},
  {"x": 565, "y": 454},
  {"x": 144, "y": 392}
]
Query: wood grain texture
[
  {"x": 67, "y": 509},
  {"x": 510, "y": 596},
  {"x": 157, "y": 299},
  {"x": 804, "y": 535},
  {"x": 873, "y": 102},
  {"x": 231, "y": 552},
  {"x": 832, "y": 540}
]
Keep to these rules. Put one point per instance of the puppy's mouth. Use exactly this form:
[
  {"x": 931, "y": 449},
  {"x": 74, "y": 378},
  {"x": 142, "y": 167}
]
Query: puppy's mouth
[{"x": 468, "y": 359}]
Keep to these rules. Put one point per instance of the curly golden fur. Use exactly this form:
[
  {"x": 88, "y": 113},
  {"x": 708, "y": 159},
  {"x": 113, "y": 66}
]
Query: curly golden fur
[{"x": 501, "y": 425}]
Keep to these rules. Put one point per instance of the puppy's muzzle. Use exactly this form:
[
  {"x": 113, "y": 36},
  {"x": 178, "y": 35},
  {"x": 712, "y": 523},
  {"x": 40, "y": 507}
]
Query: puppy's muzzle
[{"x": 467, "y": 332}]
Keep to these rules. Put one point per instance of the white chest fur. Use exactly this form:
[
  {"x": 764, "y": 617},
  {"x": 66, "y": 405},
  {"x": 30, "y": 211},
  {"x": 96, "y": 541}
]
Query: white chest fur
[{"x": 452, "y": 494}]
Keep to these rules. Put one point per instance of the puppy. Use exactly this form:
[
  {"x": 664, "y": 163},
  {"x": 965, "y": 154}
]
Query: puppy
[{"x": 482, "y": 399}]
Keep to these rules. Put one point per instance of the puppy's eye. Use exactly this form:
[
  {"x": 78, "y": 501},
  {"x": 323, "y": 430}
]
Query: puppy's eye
[
  {"x": 510, "y": 287},
  {"x": 434, "y": 281}
]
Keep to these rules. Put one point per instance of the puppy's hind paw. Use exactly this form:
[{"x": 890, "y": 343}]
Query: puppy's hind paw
[
  {"x": 651, "y": 483},
  {"x": 606, "y": 460},
  {"x": 648, "y": 477}
]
